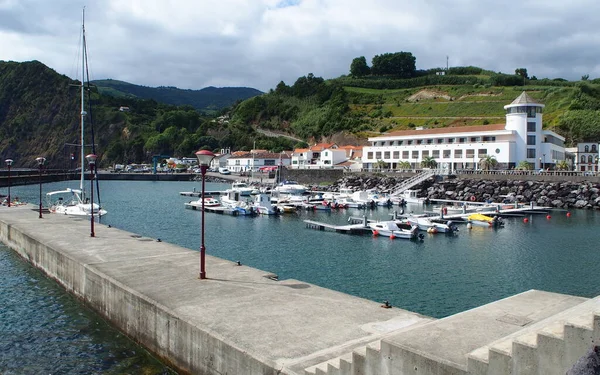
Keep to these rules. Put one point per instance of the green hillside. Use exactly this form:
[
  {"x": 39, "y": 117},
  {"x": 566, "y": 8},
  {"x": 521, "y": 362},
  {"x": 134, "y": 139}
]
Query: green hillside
[
  {"x": 40, "y": 110},
  {"x": 208, "y": 99},
  {"x": 313, "y": 108}
]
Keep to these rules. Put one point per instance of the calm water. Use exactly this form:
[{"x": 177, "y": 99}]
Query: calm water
[{"x": 439, "y": 276}]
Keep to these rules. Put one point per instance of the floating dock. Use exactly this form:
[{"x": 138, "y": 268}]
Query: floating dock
[
  {"x": 199, "y": 193},
  {"x": 217, "y": 210},
  {"x": 361, "y": 228}
]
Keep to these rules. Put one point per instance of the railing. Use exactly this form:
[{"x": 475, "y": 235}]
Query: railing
[{"x": 414, "y": 180}]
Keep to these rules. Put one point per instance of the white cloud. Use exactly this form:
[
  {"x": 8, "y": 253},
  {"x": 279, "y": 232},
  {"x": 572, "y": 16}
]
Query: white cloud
[{"x": 193, "y": 44}]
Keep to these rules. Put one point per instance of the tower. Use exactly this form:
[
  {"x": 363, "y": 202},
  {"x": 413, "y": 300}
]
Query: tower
[{"x": 524, "y": 116}]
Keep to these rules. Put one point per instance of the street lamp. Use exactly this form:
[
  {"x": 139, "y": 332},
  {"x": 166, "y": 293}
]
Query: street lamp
[
  {"x": 204, "y": 159},
  {"x": 540, "y": 159},
  {"x": 41, "y": 161},
  {"x": 8, "y": 164},
  {"x": 91, "y": 158},
  {"x": 544, "y": 161}
]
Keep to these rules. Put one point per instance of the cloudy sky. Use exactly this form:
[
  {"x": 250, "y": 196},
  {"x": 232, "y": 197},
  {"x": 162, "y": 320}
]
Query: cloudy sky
[{"x": 257, "y": 43}]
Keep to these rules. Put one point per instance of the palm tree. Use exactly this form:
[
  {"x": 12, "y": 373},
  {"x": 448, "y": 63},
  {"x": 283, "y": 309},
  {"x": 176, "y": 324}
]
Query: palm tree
[
  {"x": 524, "y": 166},
  {"x": 429, "y": 162},
  {"x": 562, "y": 165},
  {"x": 488, "y": 162},
  {"x": 403, "y": 165},
  {"x": 380, "y": 164}
]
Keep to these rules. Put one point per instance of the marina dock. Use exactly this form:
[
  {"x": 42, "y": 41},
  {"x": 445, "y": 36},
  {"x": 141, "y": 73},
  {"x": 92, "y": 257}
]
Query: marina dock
[{"x": 361, "y": 228}]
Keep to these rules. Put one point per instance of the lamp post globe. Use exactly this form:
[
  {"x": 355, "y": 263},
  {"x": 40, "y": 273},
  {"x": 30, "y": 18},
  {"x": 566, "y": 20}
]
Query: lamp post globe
[
  {"x": 91, "y": 158},
  {"x": 8, "y": 164},
  {"x": 41, "y": 161},
  {"x": 205, "y": 157}
]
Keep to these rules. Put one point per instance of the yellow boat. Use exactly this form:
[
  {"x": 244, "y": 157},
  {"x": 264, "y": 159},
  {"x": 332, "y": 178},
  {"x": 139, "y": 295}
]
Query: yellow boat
[{"x": 484, "y": 220}]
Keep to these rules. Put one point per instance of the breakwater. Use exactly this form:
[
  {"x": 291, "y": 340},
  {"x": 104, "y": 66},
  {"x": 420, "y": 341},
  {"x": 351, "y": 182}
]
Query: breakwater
[{"x": 558, "y": 194}]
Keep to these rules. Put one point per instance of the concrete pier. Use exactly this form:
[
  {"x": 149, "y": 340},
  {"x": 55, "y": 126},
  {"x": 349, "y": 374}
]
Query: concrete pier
[{"x": 242, "y": 320}]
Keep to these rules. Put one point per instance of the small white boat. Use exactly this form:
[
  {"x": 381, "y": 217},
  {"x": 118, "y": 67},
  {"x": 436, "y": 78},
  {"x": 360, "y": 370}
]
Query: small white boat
[
  {"x": 425, "y": 224},
  {"x": 392, "y": 230},
  {"x": 349, "y": 203},
  {"x": 208, "y": 202},
  {"x": 232, "y": 200},
  {"x": 409, "y": 196}
]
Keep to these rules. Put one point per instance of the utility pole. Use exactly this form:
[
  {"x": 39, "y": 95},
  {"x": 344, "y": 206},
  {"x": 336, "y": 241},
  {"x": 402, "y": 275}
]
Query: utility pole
[{"x": 446, "y": 63}]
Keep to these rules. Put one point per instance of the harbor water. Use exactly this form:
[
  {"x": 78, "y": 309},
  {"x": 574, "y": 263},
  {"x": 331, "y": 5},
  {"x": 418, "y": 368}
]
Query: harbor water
[{"x": 438, "y": 276}]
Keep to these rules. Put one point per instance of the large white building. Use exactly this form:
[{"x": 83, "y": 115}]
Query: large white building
[{"x": 520, "y": 139}]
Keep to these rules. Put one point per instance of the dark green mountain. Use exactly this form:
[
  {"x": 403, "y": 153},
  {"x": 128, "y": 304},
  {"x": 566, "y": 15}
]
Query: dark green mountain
[{"x": 209, "y": 99}]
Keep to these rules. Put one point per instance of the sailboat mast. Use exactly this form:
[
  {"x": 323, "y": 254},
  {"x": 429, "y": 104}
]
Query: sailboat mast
[{"x": 83, "y": 112}]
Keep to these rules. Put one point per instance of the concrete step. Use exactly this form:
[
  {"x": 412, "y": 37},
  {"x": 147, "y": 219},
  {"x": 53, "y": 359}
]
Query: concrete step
[{"x": 548, "y": 346}]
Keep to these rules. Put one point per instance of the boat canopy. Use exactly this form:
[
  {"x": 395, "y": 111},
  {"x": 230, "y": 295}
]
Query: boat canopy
[{"x": 66, "y": 191}]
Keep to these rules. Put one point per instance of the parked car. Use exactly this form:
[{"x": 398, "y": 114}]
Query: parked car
[{"x": 224, "y": 171}]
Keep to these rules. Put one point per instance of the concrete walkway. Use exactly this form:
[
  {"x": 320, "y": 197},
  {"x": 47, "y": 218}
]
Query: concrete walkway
[{"x": 284, "y": 325}]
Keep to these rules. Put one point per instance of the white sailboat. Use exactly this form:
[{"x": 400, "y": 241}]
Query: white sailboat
[{"x": 74, "y": 201}]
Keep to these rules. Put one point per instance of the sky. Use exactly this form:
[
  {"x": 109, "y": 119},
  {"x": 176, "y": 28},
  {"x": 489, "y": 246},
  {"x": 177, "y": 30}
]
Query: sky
[{"x": 192, "y": 44}]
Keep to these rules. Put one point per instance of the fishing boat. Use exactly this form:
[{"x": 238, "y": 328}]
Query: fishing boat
[
  {"x": 243, "y": 188},
  {"x": 234, "y": 201},
  {"x": 263, "y": 206},
  {"x": 391, "y": 229},
  {"x": 75, "y": 202}
]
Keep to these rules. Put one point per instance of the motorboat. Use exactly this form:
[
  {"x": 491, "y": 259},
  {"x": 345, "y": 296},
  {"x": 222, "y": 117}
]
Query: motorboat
[
  {"x": 291, "y": 187},
  {"x": 424, "y": 223},
  {"x": 392, "y": 230},
  {"x": 243, "y": 188},
  {"x": 349, "y": 203},
  {"x": 482, "y": 220},
  {"x": 76, "y": 202},
  {"x": 262, "y": 205},
  {"x": 464, "y": 208},
  {"x": 208, "y": 202},
  {"x": 410, "y": 196}
]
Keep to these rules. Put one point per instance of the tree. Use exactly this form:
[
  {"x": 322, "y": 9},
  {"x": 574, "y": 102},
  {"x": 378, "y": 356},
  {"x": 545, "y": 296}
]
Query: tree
[
  {"x": 429, "y": 162},
  {"x": 522, "y": 72},
  {"x": 400, "y": 64},
  {"x": 380, "y": 164},
  {"x": 403, "y": 165},
  {"x": 585, "y": 77},
  {"x": 488, "y": 162},
  {"x": 524, "y": 166},
  {"x": 359, "y": 67},
  {"x": 562, "y": 165}
]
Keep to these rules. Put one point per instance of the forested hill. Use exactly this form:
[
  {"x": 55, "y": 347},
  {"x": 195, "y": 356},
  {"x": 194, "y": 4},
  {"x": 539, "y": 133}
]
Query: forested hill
[
  {"x": 208, "y": 99},
  {"x": 40, "y": 116}
]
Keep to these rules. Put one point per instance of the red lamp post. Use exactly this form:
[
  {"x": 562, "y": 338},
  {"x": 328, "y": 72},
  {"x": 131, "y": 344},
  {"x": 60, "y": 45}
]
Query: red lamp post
[
  {"x": 41, "y": 161},
  {"x": 91, "y": 158},
  {"x": 204, "y": 159},
  {"x": 8, "y": 164}
]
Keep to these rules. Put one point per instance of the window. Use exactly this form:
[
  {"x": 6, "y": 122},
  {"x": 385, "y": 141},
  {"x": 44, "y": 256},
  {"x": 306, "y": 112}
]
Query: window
[
  {"x": 429, "y": 141},
  {"x": 415, "y": 154},
  {"x": 269, "y": 162},
  {"x": 531, "y": 140},
  {"x": 409, "y": 142},
  {"x": 531, "y": 153},
  {"x": 590, "y": 159},
  {"x": 386, "y": 155},
  {"x": 450, "y": 140},
  {"x": 586, "y": 148},
  {"x": 404, "y": 155},
  {"x": 378, "y": 155},
  {"x": 531, "y": 126},
  {"x": 583, "y": 158},
  {"x": 440, "y": 140},
  {"x": 370, "y": 155},
  {"x": 237, "y": 162},
  {"x": 425, "y": 153},
  {"x": 435, "y": 154},
  {"x": 400, "y": 143},
  {"x": 446, "y": 154},
  {"x": 396, "y": 155},
  {"x": 458, "y": 154},
  {"x": 531, "y": 112},
  {"x": 489, "y": 139},
  {"x": 482, "y": 152},
  {"x": 470, "y": 153},
  {"x": 594, "y": 148},
  {"x": 474, "y": 139},
  {"x": 419, "y": 141},
  {"x": 462, "y": 140},
  {"x": 324, "y": 154}
]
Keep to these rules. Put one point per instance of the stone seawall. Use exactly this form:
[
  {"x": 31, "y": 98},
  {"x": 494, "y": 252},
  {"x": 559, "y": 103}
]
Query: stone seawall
[{"x": 558, "y": 194}]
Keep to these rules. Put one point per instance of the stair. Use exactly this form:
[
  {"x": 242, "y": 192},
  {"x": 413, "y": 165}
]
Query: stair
[
  {"x": 413, "y": 181},
  {"x": 550, "y": 346}
]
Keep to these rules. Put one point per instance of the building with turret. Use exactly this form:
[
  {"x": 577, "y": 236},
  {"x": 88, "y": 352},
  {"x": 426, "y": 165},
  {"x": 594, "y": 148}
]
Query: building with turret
[{"x": 520, "y": 139}]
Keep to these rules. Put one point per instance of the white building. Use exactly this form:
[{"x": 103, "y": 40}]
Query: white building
[
  {"x": 520, "y": 139},
  {"x": 587, "y": 157},
  {"x": 330, "y": 157},
  {"x": 252, "y": 162}
]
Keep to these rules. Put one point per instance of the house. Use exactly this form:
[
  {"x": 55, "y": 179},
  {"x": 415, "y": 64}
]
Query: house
[
  {"x": 252, "y": 162},
  {"x": 331, "y": 157},
  {"x": 586, "y": 157},
  {"x": 520, "y": 139}
]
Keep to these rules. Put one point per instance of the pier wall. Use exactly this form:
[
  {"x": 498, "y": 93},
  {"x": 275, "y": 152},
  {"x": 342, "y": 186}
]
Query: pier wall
[{"x": 312, "y": 176}]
